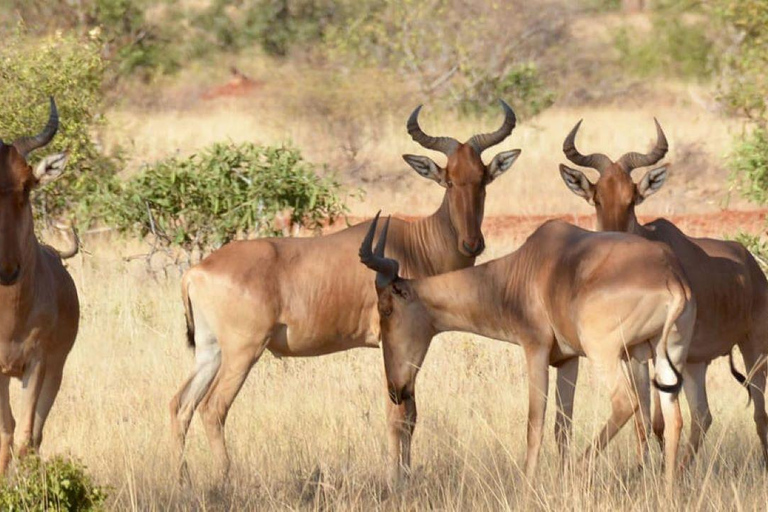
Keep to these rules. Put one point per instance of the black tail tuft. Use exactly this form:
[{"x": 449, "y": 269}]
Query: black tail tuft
[
  {"x": 740, "y": 377},
  {"x": 190, "y": 335},
  {"x": 670, "y": 388}
]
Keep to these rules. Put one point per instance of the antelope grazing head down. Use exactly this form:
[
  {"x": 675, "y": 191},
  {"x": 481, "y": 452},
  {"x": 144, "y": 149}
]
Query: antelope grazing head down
[
  {"x": 615, "y": 194},
  {"x": 17, "y": 179},
  {"x": 464, "y": 176},
  {"x": 405, "y": 327}
]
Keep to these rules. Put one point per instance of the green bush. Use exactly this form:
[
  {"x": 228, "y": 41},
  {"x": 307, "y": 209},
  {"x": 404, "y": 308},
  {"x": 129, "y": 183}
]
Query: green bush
[
  {"x": 522, "y": 86},
  {"x": 749, "y": 166},
  {"x": 56, "y": 484},
  {"x": 71, "y": 70},
  {"x": 226, "y": 190},
  {"x": 275, "y": 25},
  {"x": 130, "y": 44},
  {"x": 673, "y": 48}
]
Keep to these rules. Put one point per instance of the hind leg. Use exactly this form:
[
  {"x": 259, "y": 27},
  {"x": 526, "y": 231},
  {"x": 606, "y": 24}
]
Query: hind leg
[
  {"x": 235, "y": 365},
  {"x": 186, "y": 400},
  {"x": 624, "y": 402},
  {"x": 756, "y": 363},
  {"x": 641, "y": 382},
  {"x": 694, "y": 384},
  {"x": 567, "y": 375}
]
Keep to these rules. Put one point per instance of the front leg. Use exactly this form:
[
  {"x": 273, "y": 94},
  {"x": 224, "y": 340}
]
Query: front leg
[
  {"x": 401, "y": 423},
  {"x": 567, "y": 375},
  {"x": 537, "y": 359},
  {"x": 7, "y": 425},
  {"x": 32, "y": 383}
]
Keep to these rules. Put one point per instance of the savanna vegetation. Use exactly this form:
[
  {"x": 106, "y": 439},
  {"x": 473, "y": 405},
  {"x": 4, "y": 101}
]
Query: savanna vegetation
[{"x": 193, "y": 123}]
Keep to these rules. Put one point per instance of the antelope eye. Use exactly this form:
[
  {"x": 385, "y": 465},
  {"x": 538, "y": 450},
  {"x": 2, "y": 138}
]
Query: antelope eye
[{"x": 448, "y": 183}]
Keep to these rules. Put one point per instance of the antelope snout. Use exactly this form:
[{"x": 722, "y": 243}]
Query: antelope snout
[
  {"x": 9, "y": 274},
  {"x": 473, "y": 246}
]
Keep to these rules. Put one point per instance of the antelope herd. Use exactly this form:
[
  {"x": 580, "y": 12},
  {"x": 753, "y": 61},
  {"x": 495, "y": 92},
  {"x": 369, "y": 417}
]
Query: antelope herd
[{"x": 622, "y": 296}]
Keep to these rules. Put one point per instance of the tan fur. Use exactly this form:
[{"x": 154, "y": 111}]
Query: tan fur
[
  {"x": 730, "y": 289},
  {"x": 39, "y": 310},
  {"x": 309, "y": 296},
  {"x": 566, "y": 292}
]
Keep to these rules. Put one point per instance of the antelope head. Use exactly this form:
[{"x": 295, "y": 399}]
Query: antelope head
[
  {"x": 615, "y": 194},
  {"x": 464, "y": 176},
  {"x": 17, "y": 179},
  {"x": 406, "y": 329}
]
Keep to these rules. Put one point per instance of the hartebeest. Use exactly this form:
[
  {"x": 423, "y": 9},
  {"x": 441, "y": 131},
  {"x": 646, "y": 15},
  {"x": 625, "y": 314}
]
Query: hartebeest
[
  {"x": 308, "y": 296},
  {"x": 565, "y": 292},
  {"x": 39, "y": 309},
  {"x": 730, "y": 289}
]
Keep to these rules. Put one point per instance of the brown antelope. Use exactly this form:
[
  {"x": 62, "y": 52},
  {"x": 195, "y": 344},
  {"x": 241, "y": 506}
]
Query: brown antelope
[
  {"x": 730, "y": 289},
  {"x": 39, "y": 310},
  {"x": 300, "y": 297},
  {"x": 565, "y": 292}
]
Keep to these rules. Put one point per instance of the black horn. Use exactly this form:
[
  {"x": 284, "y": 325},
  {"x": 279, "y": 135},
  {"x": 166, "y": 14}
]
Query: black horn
[
  {"x": 386, "y": 268},
  {"x": 483, "y": 141},
  {"x": 632, "y": 161},
  {"x": 446, "y": 145},
  {"x": 597, "y": 161},
  {"x": 25, "y": 145}
]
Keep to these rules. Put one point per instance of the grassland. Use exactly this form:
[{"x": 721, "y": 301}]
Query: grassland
[{"x": 310, "y": 433}]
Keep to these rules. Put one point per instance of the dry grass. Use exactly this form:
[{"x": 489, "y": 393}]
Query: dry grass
[{"x": 310, "y": 434}]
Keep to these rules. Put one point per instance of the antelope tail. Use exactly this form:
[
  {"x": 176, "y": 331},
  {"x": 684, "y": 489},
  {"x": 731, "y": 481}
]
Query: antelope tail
[
  {"x": 740, "y": 377},
  {"x": 188, "y": 312},
  {"x": 675, "y": 310},
  {"x": 74, "y": 242}
]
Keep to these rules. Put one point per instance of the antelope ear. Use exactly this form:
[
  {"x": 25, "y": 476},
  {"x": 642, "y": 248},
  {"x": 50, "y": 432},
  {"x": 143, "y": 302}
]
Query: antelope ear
[
  {"x": 50, "y": 168},
  {"x": 501, "y": 163},
  {"x": 427, "y": 168},
  {"x": 651, "y": 183},
  {"x": 578, "y": 183}
]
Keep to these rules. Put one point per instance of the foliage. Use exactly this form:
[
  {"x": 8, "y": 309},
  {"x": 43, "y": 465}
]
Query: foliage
[
  {"x": 226, "y": 190},
  {"x": 757, "y": 246},
  {"x": 71, "y": 70},
  {"x": 749, "y": 163},
  {"x": 675, "y": 47},
  {"x": 275, "y": 25},
  {"x": 744, "y": 84},
  {"x": 129, "y": 42},
  {"x": 56, "y": 484},
  {"x": 470, "y": 53},
  {"x": 522, "y": 86}
]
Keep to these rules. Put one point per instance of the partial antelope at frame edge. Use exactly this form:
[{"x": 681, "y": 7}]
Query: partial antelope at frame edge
[
  {"x": 731, "y": 290},
  {"x": 299, "y": 297},
  {"x": 39, "y": 308},
  {"x": 565, "y": 292}
]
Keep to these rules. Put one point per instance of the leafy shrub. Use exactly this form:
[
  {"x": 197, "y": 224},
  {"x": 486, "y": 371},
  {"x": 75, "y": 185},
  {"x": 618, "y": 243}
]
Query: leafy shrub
[
  {"x": 275, "y": 25},
  {"x": 71, "y": 70},
  {"x": 226, "y": 190},
  {"x": 56, "y": 484},
  {"x": 130, "y": 44},
  {"x": 675, "y": 47},
  {"x": 522, "y": 86},
  {"x": 749, "y": 163}
]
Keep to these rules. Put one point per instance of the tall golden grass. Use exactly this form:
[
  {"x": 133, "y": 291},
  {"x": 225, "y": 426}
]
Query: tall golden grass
[{"x": 310, "y": 433}]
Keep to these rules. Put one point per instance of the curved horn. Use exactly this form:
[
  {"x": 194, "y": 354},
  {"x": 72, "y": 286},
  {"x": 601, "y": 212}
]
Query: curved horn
[
  {"x": 74, "y": 246},
  {"x": 632, "y": 161},
  {"x": 483, "y": 141},
  {"x": 597, "y": 161},
  {"x": 25, "y": 145},
  {"x": 386, "y": 268},
  {"x": 446, "y": 145}
]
